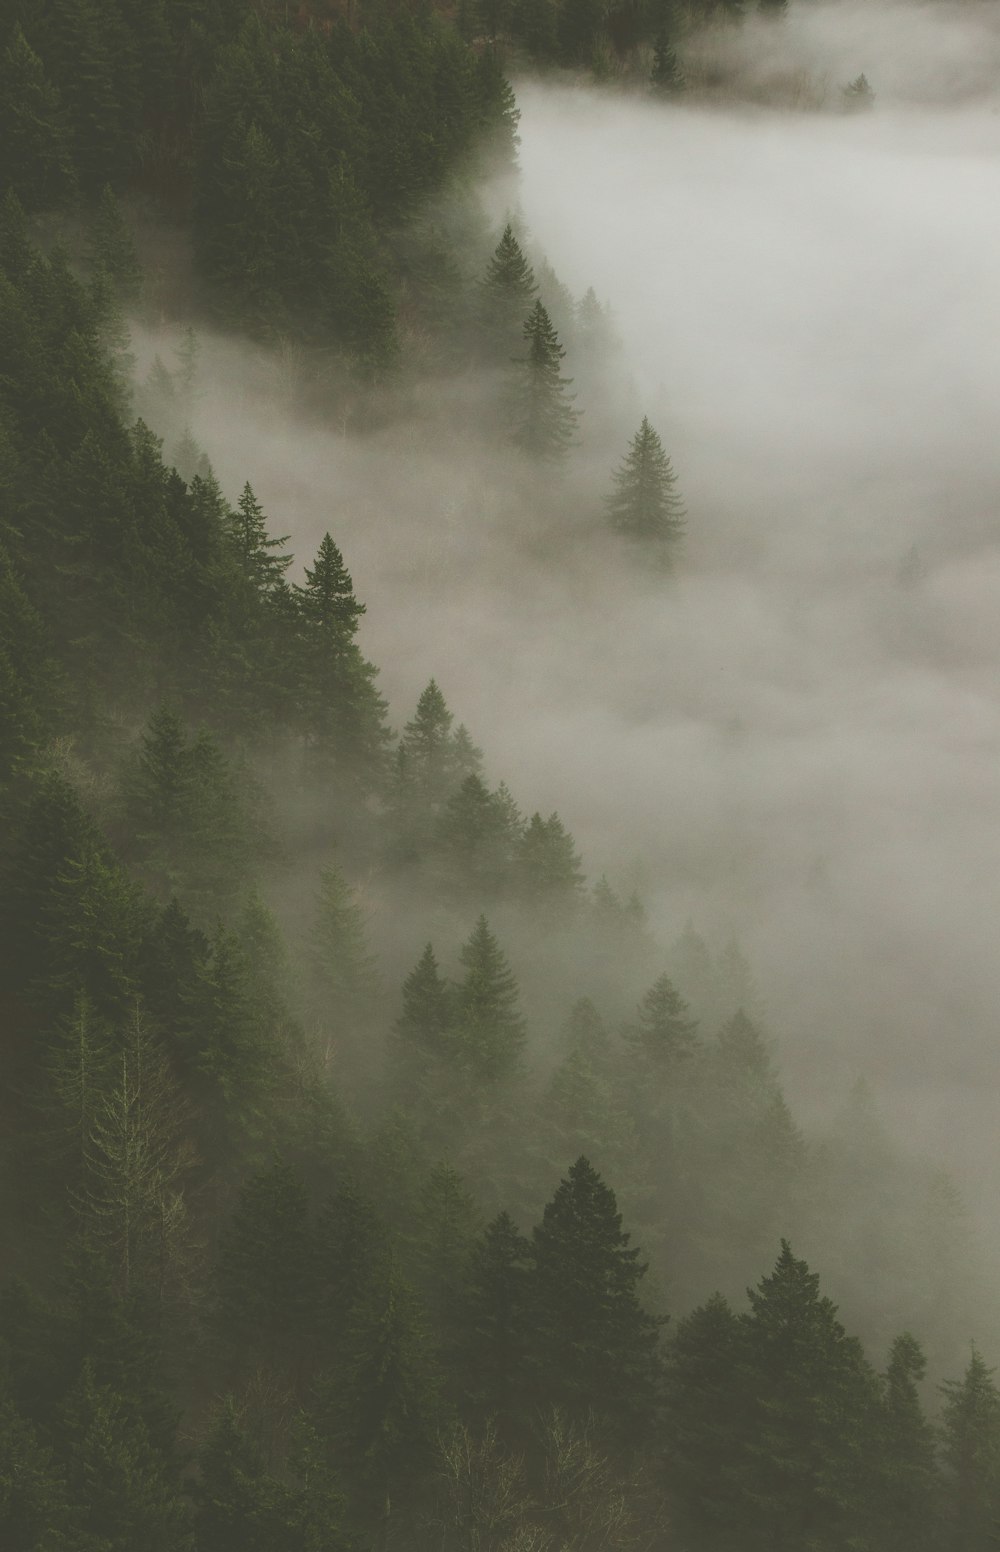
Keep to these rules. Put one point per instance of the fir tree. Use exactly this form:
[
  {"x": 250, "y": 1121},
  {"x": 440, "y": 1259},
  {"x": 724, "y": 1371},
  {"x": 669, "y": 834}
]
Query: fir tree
[
  {"x": 907, "y": 1497},
  {"x": 507, "y": 290},
  {"x": 970, "y": 1451},
  {"x": 644, "y": 505},
  {"x": 35, "y": 160},
  {"x": 492, "y": 1323},
  {"x": 263, "y": 1279},
  {"x": 543, "y": 420},
  {"x": 549, "y": 873},
  {"x": 489, "y": 1030},
  {"x": 593, "y": 1346}
]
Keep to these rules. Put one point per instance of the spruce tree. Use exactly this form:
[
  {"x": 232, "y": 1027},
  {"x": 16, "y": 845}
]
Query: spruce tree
[
  {"x": 264, "y": 1277},
  {"x": 593, "y": 1346},
  {"x": 343, "y": 713},
  {"x": 907, "y": 1497},
  {"x": 492, "y": 1324},
  {"x": 812, "y": 1433},
  {"x": 507, "y": 290},
  {"x": 970, "y": 1459},
  {"x": 644, "y": 505},
  {"x": 35, "y": 160},
  {"x": 543, "y": 421},
  {"x": 548, "y": 867},
  {"x": 663, "y": 1035},
  {"x": 489, "y": 1031},
  {"x": 425, "y": 1031}
]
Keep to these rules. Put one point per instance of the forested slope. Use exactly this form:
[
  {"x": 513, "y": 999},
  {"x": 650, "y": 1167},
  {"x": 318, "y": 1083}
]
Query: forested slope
[{"x": 301, "y": 1253}]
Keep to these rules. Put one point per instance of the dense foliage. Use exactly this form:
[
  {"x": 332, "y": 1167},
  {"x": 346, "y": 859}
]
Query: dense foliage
[{"x": 308, "y": 1249}]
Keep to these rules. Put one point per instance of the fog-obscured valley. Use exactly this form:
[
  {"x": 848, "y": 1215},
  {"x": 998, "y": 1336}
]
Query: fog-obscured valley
[{"x": 701, "y": 822}]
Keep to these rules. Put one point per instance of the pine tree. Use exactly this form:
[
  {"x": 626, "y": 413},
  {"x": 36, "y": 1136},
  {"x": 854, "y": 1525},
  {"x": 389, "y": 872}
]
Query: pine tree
[
  {"x": 263, "y": 1280},
  {"x": 112, "y": 250},
  {"x": 811, "y": 1444},
  {"x": 489, "y": 1031},
  {"x": 430, "y": 763},
  {"x": 253, "y": 544},
  {"x": 907, "y": 1496},
  {"x": 137, "y": 1161},
  {"x": 644, "y": 505},
  {"x": 492, "y": 1323},
  {"x": 663, "y": 1035},
  {"x": 425, "y": 1031},
  {"x": 118, "y": 1486},
  {"x": 970, "y": 1458},
  {"x": 35, "y": 160},
  {"x": 507, "y": 289},
  {"x": 593, "y": 1346},
  {"x": 342, "y": 711},
  {"x": 667, "y": 77},
  {"x": 344, "y": 982},
  {"x": 549, "y": 873},
  {"x": 543, "y": 420},
  {"x": 706, "y": 1425}
]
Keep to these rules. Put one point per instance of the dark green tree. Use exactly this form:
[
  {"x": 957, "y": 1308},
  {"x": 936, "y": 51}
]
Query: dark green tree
[
  {"x": 811, "y": 1445},
  {"x": 908, "y": 1491},
  {"x": 543, "y": 421},
  {"x": 507, "y": 290},
  {"x": 263, "y": 1279},
  {"x": 342, "y": 711},
  {"x": 548, "y": 867},
  {"x": 492, "y": 1324},
  {"x": 706, "y": 1426},
  {"x": 35, "y": 160},
  {"x": 970, "y": 1459},
  {"x": 644, "y": 505},
  {"x": 489, "y": 1030},
  {"x": 593, "y": 1346}
]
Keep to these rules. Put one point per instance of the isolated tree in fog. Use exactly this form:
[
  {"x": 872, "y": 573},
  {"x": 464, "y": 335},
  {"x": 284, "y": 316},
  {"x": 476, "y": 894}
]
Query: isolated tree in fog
[
  {"x": 543, "y": 418},
  {"x": 644, "y": 504}
]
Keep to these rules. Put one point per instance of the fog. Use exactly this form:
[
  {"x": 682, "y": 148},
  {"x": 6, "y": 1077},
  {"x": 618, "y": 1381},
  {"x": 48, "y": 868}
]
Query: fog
[{"x": 782, "y": 741}]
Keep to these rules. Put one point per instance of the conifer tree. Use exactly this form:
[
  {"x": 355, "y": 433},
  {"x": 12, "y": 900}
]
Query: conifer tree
[
  {"x": 35, "y": 160},
  {"x": 34, "y": 1514},
  {"x": 492, "y": 1323},
  {"x": 907, "y": 1498},
  {"x": 112, "y": 250},
  {"x": 812, "y": 1431},
  {"x": 663, "y": 1035},
  {"x": 387, "y": 1411},
  {"x": 507, "y": 290},
  {"x": 430, "y": 763},
  {"x": 644, "y": 505},
  {"x": 425, "y": 1031},
  {"x": 489, "y": 1031},
  {"x": 342, "y": 711},
  {"x": 119, "y": 1489},
  {"x": 593, "y": 1346},
  {"x": 253, "y": 545},
  {"x": 542, "y": 418},
  {"x": 970, "y": 1450},
  {"x": 706, "y": 1425},
  {"x": 548, "y": 867},
  {"x": 264, "y": 1280},
  {"x": 344, "y": 981}
]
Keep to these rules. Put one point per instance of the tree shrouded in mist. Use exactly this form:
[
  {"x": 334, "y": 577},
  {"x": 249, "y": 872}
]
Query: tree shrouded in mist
[
  {"x": 542, "y": 415},
  {"x": 507, "y": 290},
  {"x": 644, "y": 504}
]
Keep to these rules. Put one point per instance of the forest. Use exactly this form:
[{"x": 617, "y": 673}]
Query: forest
[{"x": 374, "y": 1173}]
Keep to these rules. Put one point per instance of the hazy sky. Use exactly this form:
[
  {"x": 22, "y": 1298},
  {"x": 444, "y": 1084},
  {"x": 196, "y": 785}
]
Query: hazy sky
[{"x": 781, "y": 741}]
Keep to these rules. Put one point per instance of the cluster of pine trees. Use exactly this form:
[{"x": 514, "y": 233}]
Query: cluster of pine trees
[{"x": 329, "y": 1084}]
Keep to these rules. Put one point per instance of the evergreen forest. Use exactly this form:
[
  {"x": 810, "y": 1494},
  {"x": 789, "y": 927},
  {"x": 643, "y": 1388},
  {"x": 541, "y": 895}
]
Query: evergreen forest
[{"x": 374, "y": 1173}]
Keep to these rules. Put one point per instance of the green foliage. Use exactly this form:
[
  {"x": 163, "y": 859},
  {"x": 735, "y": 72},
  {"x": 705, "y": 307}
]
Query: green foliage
[
  {"x": 970, "y": 1449},
  {"x": 35, "y": 160},
  {"x": 262, "y": 1279},
  {"x": 508, "y": 287}
]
